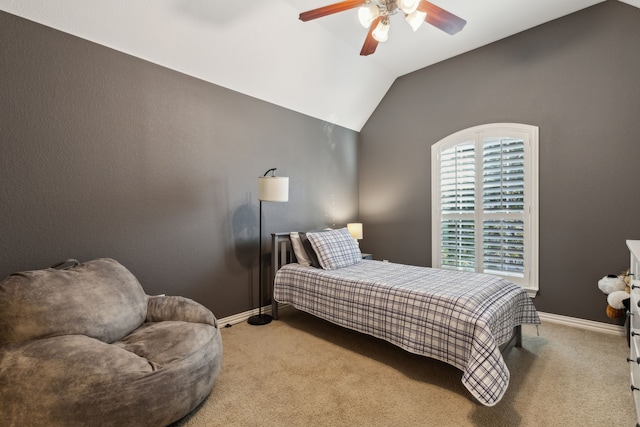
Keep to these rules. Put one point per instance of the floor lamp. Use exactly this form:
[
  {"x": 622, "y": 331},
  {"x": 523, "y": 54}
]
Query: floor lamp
[{"x": 271, "y": 188}]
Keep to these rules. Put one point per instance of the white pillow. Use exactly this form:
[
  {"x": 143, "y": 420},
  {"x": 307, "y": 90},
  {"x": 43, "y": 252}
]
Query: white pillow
[
  {"x": 335, "y": 248},
  {"x": 298, "y": 250}
]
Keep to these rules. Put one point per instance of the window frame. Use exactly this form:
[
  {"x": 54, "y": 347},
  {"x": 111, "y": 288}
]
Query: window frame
[{"x": 477, "y": 135}]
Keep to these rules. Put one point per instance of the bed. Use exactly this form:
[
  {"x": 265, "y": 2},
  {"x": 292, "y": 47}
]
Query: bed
[{"x": 467, "y": 320}]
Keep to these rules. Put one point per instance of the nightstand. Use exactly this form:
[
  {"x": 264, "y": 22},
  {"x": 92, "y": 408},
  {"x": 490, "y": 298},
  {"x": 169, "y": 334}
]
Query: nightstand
[{"x": 367, "y": 256}]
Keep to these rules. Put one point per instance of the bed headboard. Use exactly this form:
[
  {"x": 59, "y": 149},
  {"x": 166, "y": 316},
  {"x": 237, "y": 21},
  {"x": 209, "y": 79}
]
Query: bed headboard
[{"x": 282, "y": 252}]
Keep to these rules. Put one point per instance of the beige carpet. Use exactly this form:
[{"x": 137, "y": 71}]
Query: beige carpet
[{"x": 303, "y": 371}]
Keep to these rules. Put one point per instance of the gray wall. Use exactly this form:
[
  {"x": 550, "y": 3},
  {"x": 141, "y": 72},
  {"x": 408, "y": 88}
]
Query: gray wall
[
  {"x": 103, "y": 154},
  {"x": 577, "y": 78},
  {"x": 106, "y": 155}
]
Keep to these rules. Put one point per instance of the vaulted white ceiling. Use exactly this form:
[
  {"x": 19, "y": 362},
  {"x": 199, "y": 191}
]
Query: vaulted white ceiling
[{"x": 261, "y": 49}]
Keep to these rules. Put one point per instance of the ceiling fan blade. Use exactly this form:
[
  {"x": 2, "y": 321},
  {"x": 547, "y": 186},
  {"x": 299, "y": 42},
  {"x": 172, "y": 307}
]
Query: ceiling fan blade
[
  {"x": 440, "y": 18},
  {"x": 370, "y": 44},
  {"x": 330, "y": 9}
]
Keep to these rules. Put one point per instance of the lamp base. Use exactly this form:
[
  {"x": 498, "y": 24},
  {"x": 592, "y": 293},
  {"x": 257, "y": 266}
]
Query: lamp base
[{"x": 260, "y": 319}]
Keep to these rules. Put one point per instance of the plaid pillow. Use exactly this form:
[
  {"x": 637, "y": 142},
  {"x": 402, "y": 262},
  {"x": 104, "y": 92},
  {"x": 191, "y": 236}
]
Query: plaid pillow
[{"x": 335, "y": 248}]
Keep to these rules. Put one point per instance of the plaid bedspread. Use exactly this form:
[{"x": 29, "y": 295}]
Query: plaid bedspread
[{"x": 457, "y": 317}]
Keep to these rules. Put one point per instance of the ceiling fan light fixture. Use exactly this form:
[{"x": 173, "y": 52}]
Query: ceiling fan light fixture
[
  {"x": 374, "y": 15},
  {"x": 408, "y": 6},
  {"x": 415, "y": 19},
  {"x": 381, "y": 32},
  {"x": 367, "y": 14}
]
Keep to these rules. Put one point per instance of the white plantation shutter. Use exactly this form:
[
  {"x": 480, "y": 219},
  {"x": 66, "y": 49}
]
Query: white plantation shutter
[
  {"x": 503, "y": 202},
  {"x": 503, "y": 174},
  {"x": 503, "y": 247},
  {"x": 457, "y": 200},
  {"x": 458, "y": 244},
  {"x": 484, "y": 191},
  {"x": 457, "y": 174}
]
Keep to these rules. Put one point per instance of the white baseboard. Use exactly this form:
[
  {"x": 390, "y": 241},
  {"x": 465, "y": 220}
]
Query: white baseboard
[
  {"x": 582, "y": 323},
  {"x": 544, "y": 317}
]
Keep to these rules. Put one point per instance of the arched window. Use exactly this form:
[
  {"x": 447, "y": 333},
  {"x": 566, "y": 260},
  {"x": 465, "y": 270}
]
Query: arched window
[{"x": 485, "y": 202}]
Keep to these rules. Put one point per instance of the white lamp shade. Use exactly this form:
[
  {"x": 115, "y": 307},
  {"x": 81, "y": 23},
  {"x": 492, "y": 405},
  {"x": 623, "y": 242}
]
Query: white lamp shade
[
  {"x": 355, "y": 228},
  {"x": 273, "y": 188}
]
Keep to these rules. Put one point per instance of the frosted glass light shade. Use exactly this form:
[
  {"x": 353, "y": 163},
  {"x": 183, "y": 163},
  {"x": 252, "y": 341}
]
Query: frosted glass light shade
[
  {"x": 416, "y": 19},
  {"x": 355, "y": 228},
  {"x": 273, "y": 188},
  {"x": 366, "y": 14},
  {"x": 408, "y": 6},
  {"x": 381, "y": 32}
]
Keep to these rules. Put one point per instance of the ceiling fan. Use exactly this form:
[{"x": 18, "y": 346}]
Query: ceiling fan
[{"x": 375, "y": 14}]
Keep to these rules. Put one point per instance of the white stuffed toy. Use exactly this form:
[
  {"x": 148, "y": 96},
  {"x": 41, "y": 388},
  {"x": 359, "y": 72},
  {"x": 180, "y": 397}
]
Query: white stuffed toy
[
  {"x": 617, "y": 291},
  {"x": 615, "y": 299},
  {"x": 611, "y": 283}
]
